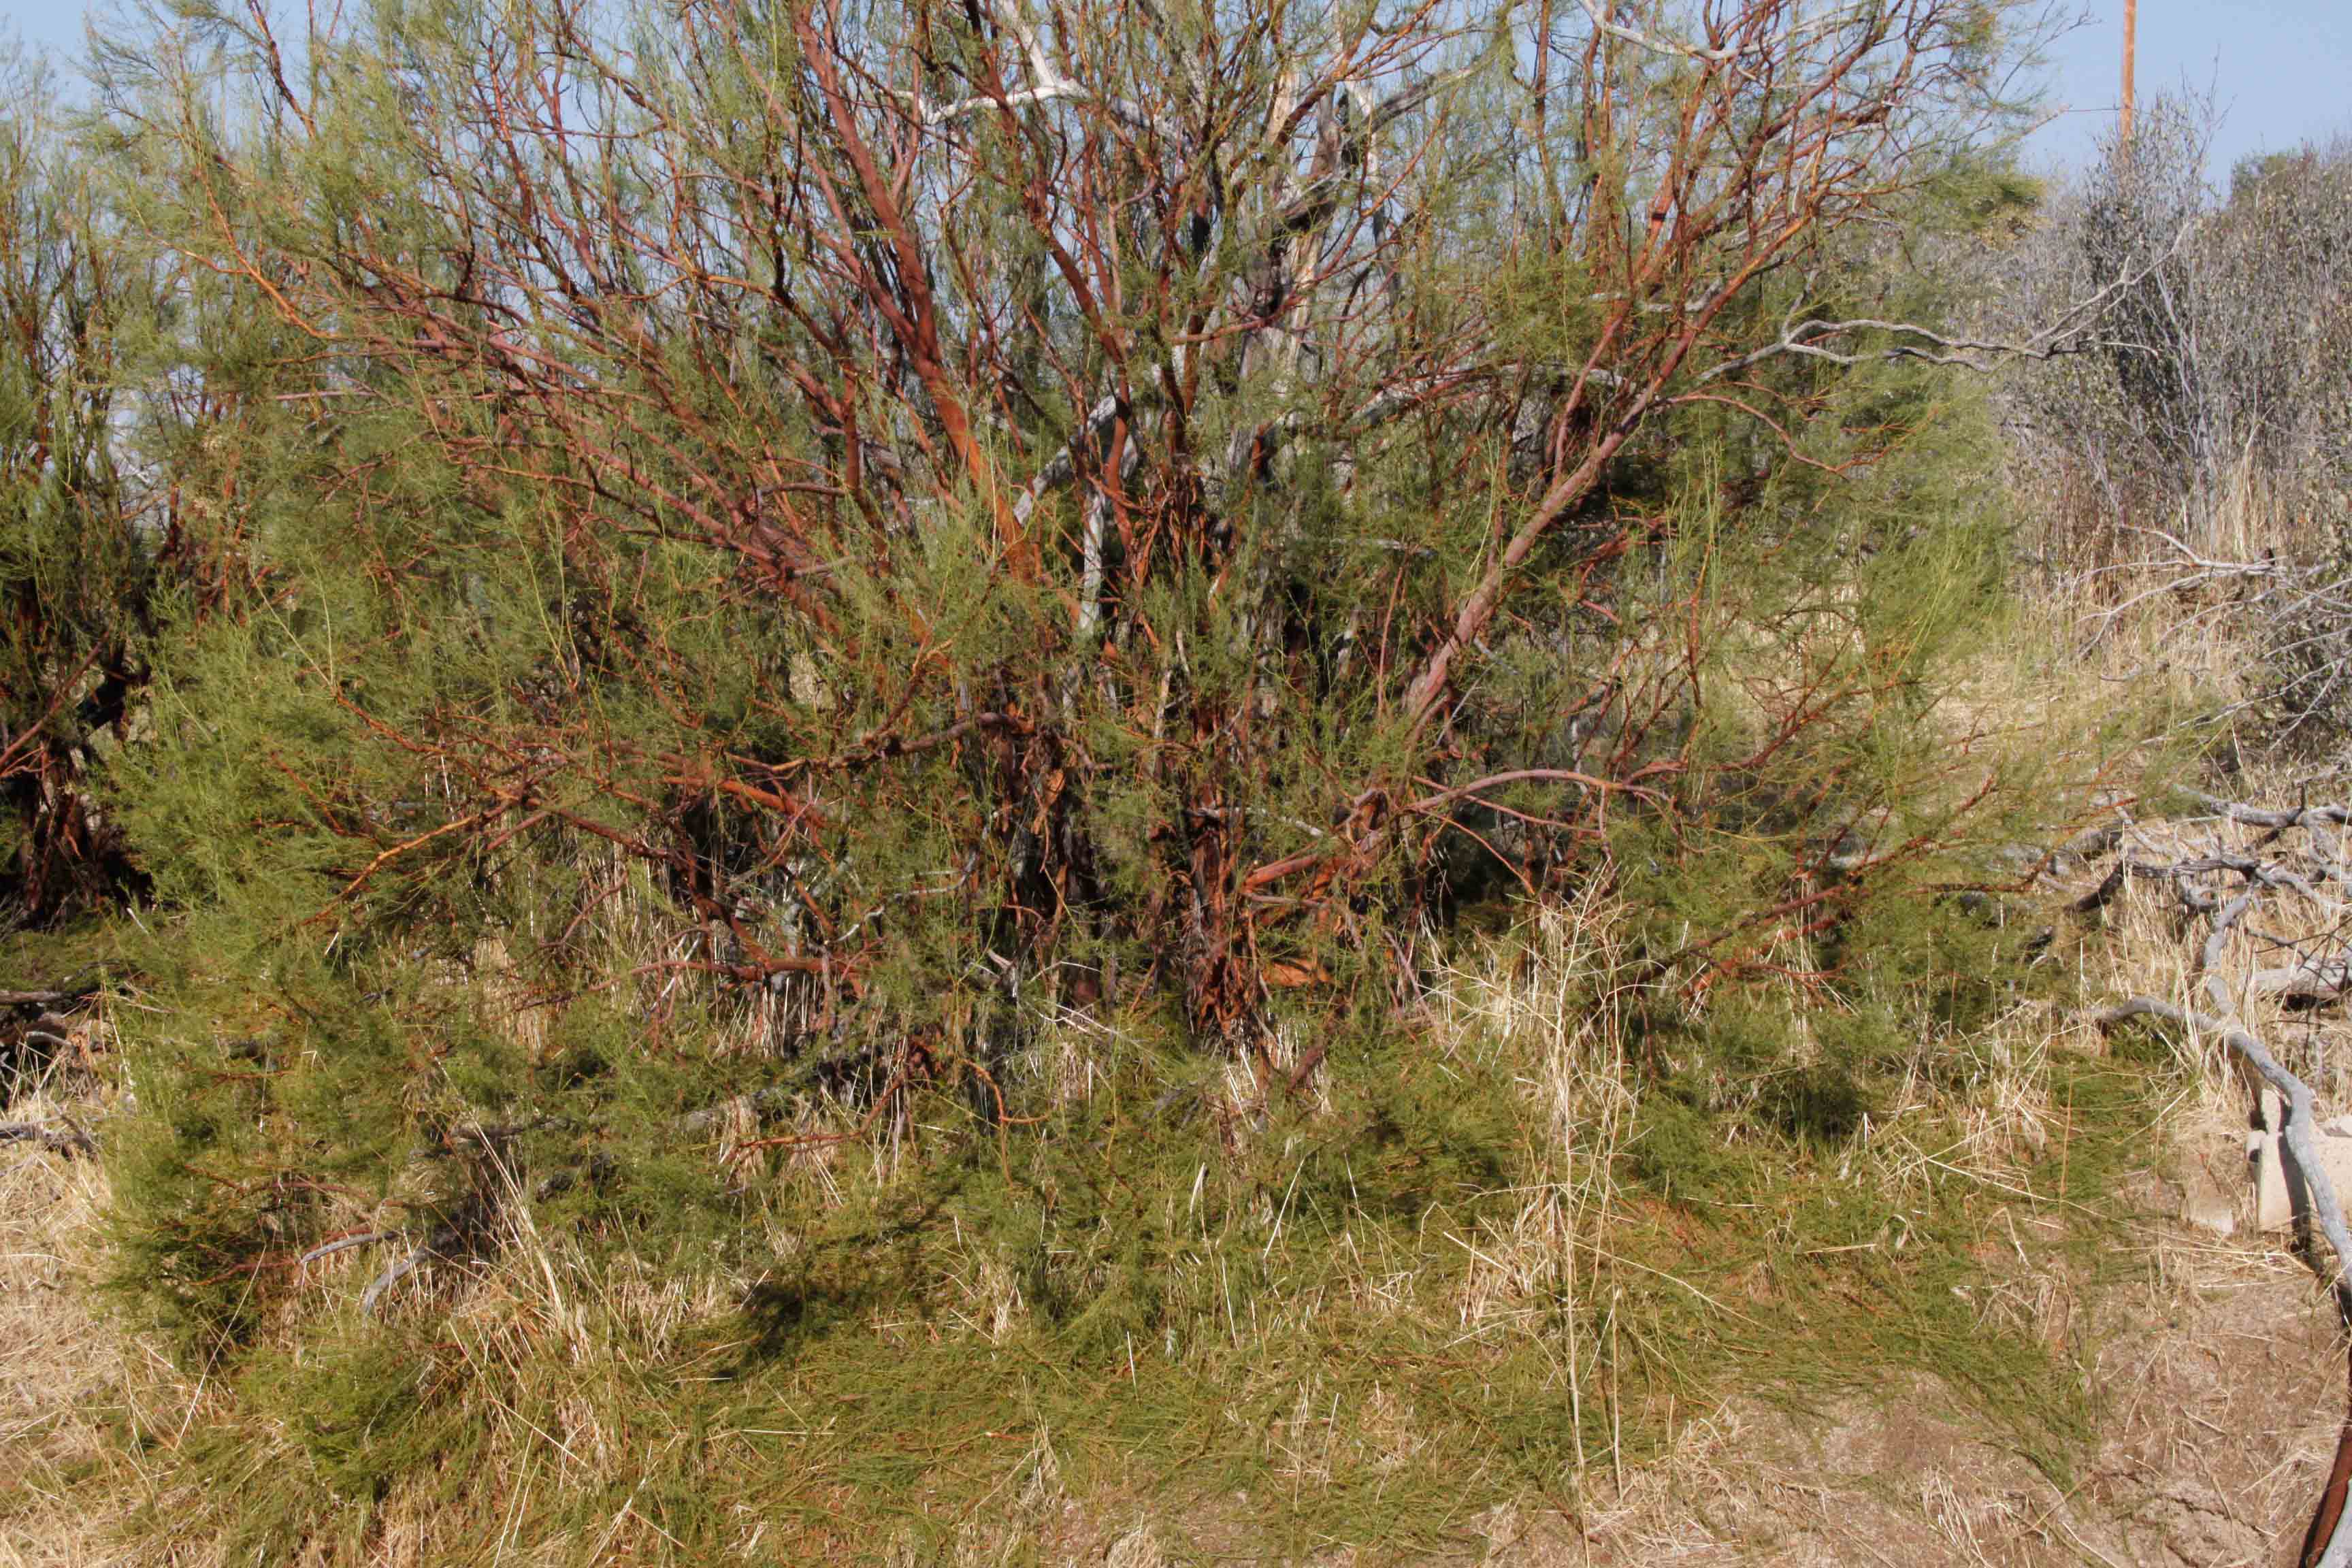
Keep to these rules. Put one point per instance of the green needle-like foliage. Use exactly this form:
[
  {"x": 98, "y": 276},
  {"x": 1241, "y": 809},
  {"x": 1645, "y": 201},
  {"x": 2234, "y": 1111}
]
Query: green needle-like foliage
[{"x": 805, "y": 710}]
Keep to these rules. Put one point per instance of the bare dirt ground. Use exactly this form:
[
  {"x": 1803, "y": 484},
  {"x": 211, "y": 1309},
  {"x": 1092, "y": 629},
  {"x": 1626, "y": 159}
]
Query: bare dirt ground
[{"x": 2222, "y": 1388}]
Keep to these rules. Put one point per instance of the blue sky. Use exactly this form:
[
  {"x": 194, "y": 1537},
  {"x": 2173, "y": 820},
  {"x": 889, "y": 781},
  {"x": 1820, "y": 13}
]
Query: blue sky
[{"x": 2280, "y": 70}]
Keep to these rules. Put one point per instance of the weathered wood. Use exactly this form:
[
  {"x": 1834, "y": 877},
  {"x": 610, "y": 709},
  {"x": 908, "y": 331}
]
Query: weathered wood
[
  {"x": 57, "y": 1138},
  {"x": 2288, "y": 1107}
]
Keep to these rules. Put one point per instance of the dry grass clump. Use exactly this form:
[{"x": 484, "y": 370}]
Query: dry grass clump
[
  {"x": 86, "y": 1412},
  {"x": 1551, "y": 1006},
  {"x": 63, "y": 1362}
]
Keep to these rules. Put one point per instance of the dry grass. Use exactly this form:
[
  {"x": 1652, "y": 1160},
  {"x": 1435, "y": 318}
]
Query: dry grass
[
  {"x": 2220, "y": 1373},
  {"x": 1552, "y": 1008},
  {"x": 2215, "y": 1336},
  {"x": 63, "y": 1366},
  {"x": 1871, "y": 1478},
  {"x": 50, "y": 1436},
  {"x": 74, "y": 1387}
]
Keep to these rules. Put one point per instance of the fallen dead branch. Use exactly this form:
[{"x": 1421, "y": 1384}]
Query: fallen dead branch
[
  {"x": 2309, "y": 982},
  {"x": 57, "y": 1138},
  {"x": 345, "y": 1244},
  {"x": 2288, "y": 1109},
  {"x": 36, "y": 998},
  {"x": 2298, "y": 1125},
  {"x": 79, "y": 986}
]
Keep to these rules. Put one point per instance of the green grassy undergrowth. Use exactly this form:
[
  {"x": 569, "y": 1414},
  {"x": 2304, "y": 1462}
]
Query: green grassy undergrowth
[{"x": 1356, "y": 1322}]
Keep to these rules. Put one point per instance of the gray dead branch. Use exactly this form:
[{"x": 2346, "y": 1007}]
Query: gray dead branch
[
  {"x": 76, "y": 987},
  {"x": 399, "y": 1268},
  {"x": 2286, "y": 1106},
  {"x": 58, "y": 1137}
]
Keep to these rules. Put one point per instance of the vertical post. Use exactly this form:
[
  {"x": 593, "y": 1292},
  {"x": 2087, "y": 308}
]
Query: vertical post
[{"x": 2131, "y": 49}]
